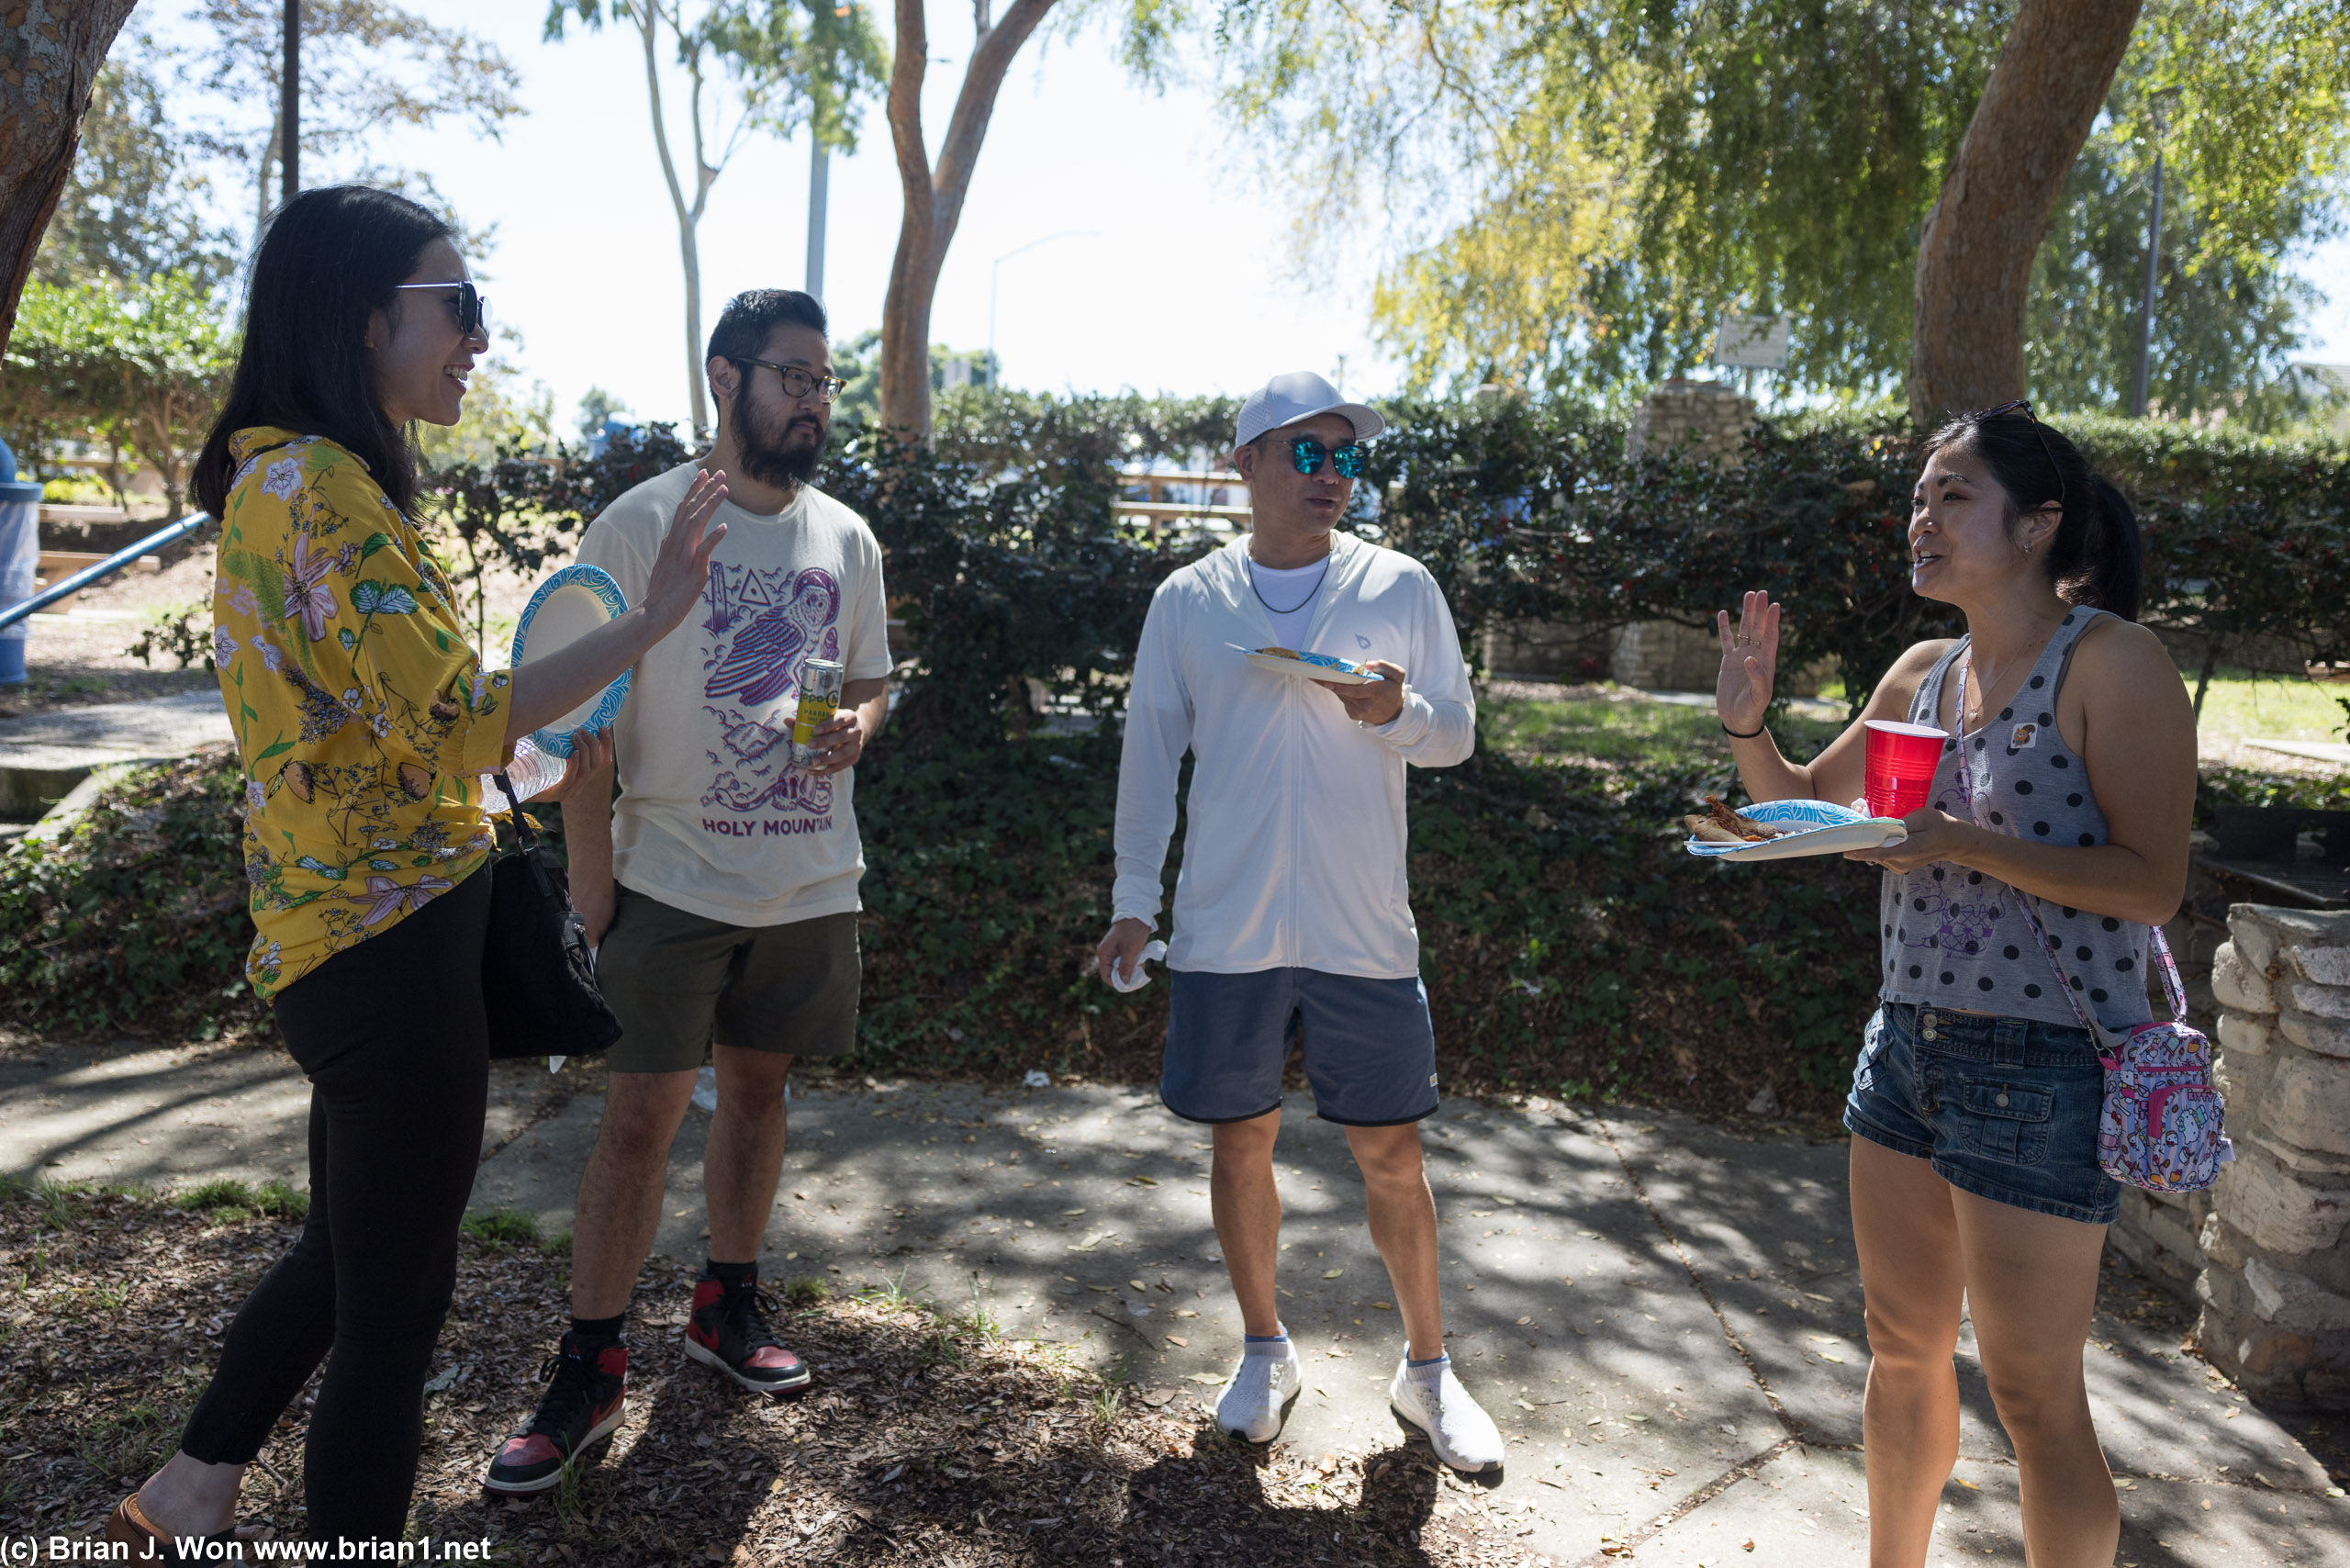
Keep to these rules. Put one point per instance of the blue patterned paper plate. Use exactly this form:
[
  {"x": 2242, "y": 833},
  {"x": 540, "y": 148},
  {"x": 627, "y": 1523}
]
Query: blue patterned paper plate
[
  {"x": 1822, "y": 828},
  {"x": 571, "y": 602}
]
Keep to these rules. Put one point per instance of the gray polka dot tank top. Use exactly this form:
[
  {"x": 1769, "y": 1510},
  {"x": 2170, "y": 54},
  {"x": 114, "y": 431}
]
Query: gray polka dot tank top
[{"x": 1955, "y": 937}]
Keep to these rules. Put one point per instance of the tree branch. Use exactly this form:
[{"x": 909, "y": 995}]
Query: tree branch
[{"x": 959, "y": 156}]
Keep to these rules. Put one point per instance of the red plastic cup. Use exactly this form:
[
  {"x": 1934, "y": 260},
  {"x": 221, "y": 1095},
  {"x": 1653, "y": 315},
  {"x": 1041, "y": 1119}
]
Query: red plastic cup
[{"x": 1899, "y": 766}]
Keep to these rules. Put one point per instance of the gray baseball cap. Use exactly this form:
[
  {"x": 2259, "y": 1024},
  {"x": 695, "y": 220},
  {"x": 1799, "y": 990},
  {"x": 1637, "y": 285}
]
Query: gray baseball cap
[{"x": 1301, "y": 395}]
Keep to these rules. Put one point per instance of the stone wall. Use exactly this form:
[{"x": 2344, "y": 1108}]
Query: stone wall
[
  {"x": 2275, "y": 1281},
  {"x": 1710, "y": 421},
  {"x": 1705, "y": 416}
]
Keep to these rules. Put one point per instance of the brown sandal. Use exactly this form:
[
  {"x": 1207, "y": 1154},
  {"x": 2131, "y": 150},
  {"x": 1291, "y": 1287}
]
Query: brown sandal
[{"x": 129, "y": 1526}]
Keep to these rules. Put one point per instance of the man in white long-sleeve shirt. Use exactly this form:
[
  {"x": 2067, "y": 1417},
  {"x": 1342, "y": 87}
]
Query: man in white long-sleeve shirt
[{"x": 1291, "y": 913}]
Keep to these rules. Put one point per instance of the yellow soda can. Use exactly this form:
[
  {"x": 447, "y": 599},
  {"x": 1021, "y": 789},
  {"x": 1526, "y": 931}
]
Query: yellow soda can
[{"x": 820, "y": 699}]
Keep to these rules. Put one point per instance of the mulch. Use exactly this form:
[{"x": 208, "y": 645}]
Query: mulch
[{"x": 926, "y": 1439}]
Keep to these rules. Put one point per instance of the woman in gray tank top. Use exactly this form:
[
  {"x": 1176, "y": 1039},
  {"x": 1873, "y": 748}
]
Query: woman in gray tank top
[{"x": 2061, "y": 807}]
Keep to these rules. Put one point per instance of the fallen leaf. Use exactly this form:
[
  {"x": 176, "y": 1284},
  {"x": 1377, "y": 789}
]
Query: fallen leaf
[
  {"x": 1332, "y": 1273},
  {"x": 1205, "y": 1377},
  {"x": 1383, "y": 1306},
  {"x": 1970, "y": 1485},
  {"x": 1825, "y": 1356},
  {"x": 1750, "y": 1544},
  {"x": 1524, "y": 1321},
  {"x": 1522, "y": 1405},
  {"x": 1185, "y": 1312},
  {"x": 1072, "y": 1212},
  {"x": 1630, "y": 1417},
  {"x": 1178, "y": 1340},
  {"x": 1817, "y": 1297},
  {"x": 1138, "y": 1285},
  {"x": 1140, "y": 1182}
]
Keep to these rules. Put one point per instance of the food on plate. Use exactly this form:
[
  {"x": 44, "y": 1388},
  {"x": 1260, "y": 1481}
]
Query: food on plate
[
  {"x": 1719, "y": 825},
  {"x": 1325, "y": 660}
]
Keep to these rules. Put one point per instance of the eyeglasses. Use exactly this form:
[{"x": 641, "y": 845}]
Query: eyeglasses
[
  {"x": 1307, "y": 456},
  {"x": 473, "y": 310},
  {"x": 799, "y": 382},
  {"x": 2020, "y": 404}
]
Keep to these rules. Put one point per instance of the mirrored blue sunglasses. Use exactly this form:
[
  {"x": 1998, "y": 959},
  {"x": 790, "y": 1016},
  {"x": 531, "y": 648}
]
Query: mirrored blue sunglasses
[{"x": 1307, "y": 455}]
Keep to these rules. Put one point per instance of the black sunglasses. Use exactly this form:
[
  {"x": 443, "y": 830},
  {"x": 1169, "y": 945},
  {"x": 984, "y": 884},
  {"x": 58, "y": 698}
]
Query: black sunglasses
[
  {"x": 473, "y": 310},
  {"x": 2023, "y": 406},
  {"x": 1307, "y": 456},
  {"x": 799, "y": 382}
]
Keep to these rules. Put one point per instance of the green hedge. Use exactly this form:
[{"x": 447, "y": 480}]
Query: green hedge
[
  {"x": 1531, "y": 511},
  {"x": 1569, "y": 945}
]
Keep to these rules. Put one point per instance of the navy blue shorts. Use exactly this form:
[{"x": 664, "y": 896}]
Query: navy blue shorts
[
  {"x": 2004, "y": 1108},
  {"x": 1370, "y": 1048}
]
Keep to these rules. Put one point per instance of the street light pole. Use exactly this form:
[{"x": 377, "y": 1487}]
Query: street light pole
[
  {"x": 819, "y": 179},
  {"x": 2154, "y": 260},
  {"x": 289, "y": 106},
  {"x": 995, "y": 268}
]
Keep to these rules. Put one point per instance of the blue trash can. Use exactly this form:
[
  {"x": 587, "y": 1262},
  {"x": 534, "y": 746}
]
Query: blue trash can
[{"x": 19, "y": 559}]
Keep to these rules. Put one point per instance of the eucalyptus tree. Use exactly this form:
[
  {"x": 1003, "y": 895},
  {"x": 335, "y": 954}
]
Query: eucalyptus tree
[
  {"x": 367, "y": 67},
  {"x": 750, "y": 66},
  {"x": 135, "y": 203}
]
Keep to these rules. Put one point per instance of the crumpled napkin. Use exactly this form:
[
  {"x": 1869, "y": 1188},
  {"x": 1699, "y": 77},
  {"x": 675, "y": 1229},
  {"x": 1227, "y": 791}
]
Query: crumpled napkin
[{"x": 1141, "y": 975}]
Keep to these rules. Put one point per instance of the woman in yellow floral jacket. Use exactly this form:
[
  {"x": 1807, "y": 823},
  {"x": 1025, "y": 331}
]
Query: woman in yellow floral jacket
[{"x": 365, "y": 723}]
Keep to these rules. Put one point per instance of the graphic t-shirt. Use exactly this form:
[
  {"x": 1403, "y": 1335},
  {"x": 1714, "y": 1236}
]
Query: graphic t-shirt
[{"x": 713, "y": 818}]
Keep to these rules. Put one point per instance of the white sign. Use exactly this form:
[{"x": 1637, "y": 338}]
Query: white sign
[{"x": 1752, "y": 342}]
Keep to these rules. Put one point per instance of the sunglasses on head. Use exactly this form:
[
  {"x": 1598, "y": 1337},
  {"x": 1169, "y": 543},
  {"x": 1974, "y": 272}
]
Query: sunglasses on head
[
  {"x": 473, "y": 310},
  {"x": 1307, "y": 455},
  {"x": 2019, "y": 406},
  {"x": 799, "y": 382}
]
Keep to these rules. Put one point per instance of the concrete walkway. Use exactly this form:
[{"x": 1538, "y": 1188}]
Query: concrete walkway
[
  {"x": 1664, "y": 1315},
  {"x": 42, "y": 756}
]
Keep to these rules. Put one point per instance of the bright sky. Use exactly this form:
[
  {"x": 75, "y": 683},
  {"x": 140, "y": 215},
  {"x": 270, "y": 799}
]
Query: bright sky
[
  {"x": 1179, "y": 285},
  {"x": 1173, "y": 271}
]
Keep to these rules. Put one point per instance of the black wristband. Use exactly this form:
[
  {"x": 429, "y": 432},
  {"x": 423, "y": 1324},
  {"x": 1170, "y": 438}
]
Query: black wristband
[{"x": 1747, "y": 735}]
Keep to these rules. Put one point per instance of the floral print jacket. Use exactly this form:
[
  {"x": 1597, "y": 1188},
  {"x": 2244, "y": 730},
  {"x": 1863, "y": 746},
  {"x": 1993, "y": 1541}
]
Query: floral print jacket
[{"x": 363, "y": 718}]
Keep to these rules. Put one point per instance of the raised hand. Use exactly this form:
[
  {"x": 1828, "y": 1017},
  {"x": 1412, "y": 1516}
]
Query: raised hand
[
  {"x": 1750, "y": 663},
  {"x": 682, "y": 568}
]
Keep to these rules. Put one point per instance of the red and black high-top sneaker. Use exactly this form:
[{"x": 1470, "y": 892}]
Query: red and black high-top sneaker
[
  {"x": 585, "y": 1387},
  {"x": 729, "y": 1331}
]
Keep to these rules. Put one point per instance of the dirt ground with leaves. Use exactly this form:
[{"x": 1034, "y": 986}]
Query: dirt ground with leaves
[{"x": 930, "y": 1439}]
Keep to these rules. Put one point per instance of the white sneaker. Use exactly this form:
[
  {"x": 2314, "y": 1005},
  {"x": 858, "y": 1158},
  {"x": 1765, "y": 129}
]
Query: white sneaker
[
  {"x": 1455, "y": 1426},
  {"x": 1258, "y": 1395}
]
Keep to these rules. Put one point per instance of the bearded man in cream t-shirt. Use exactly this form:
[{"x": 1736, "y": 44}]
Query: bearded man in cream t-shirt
[{"x": 723, "y": 887}]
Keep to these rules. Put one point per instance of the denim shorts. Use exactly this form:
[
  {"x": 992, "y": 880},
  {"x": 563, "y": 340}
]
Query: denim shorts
[
  {"x": 2004, "y": 1108},
  {"x": 1370, "y": 1046}
]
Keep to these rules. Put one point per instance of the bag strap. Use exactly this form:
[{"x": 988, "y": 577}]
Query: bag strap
[
  {"x": 2172, "y": 989},
  {"x": 525, "y": 835}
]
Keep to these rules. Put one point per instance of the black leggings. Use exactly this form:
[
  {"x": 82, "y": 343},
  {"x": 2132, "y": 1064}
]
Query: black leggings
[{"x": 393, "y": 1039}]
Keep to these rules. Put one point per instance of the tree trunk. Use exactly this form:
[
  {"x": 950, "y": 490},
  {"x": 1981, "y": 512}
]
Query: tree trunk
[
  {"x": 648, "y": 21},
  {"x": 49, "y": 55},
  {"x": 934, "y": 199},
  {"x": 1975, "y": 256}
]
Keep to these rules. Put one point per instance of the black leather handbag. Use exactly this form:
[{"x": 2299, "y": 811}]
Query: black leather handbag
[{"x": 537, "y": 980}]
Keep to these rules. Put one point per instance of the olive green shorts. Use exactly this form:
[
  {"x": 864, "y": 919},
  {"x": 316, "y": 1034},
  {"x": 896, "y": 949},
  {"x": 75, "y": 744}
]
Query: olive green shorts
[{"x": 679, "y": 981}]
